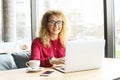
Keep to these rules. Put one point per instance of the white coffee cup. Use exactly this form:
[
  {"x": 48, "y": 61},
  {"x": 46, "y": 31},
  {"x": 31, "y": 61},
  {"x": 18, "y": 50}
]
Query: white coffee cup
[{"x": 33, "y": 64}]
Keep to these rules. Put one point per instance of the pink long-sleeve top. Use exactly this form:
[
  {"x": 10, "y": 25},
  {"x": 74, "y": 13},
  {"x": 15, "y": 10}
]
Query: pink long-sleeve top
[{"x": 39, "y": 52}]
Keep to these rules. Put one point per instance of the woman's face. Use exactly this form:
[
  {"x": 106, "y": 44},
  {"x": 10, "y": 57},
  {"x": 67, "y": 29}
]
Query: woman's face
[{"x": 55, "y": 24}]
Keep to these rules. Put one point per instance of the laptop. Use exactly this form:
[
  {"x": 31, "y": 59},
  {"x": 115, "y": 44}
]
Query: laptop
[{"x": 83, "y": 55}]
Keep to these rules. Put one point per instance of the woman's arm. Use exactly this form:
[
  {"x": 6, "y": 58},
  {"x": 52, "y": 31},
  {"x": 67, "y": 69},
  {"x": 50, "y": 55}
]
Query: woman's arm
[{"x": 37, "y": 54}]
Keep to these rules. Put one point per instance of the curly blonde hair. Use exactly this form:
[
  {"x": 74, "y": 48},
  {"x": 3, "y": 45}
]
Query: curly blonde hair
[{"x": 44, "y": 34}]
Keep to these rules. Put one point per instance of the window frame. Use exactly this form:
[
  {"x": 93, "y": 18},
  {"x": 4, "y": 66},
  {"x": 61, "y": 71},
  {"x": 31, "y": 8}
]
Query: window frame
[{"x": 109, "y": 28}]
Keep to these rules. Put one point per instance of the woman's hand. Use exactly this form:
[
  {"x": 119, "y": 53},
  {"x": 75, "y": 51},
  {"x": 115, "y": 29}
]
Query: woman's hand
[{"x": 57, "y": 60}]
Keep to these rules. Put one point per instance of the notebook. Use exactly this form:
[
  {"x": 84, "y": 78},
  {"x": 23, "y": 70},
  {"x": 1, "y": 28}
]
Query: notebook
[{"x": 83, "y": 55}]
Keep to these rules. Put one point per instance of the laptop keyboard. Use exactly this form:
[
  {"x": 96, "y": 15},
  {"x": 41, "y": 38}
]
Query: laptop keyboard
[{"x": 60, "y": 67}]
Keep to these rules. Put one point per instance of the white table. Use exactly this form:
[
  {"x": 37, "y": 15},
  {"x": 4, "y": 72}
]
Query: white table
[{"x": 109, "y": 71}]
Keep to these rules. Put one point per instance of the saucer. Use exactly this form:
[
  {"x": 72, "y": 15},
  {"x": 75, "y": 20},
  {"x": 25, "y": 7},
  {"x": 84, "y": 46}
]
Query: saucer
[{"x": 35, "y": 70}]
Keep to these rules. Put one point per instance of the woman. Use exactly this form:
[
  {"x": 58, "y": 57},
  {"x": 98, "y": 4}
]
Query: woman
[{"x": 49, "y": 47}]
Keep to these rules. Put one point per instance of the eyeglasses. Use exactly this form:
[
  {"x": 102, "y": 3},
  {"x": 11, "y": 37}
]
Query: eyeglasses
[{"x": 52, "y": 23}]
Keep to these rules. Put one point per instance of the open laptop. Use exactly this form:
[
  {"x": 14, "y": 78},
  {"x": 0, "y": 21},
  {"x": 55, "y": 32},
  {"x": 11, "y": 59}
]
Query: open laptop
[{"x": 83, "y": 55}]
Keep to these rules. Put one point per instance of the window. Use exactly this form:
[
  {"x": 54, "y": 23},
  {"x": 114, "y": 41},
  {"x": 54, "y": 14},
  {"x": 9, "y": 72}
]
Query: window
[
  {"x": 23, "y": 20},
  {"x": 16, "y": 19},
  {"x": 85, "y": 17},
  {"x": 117, "y": 27}
]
